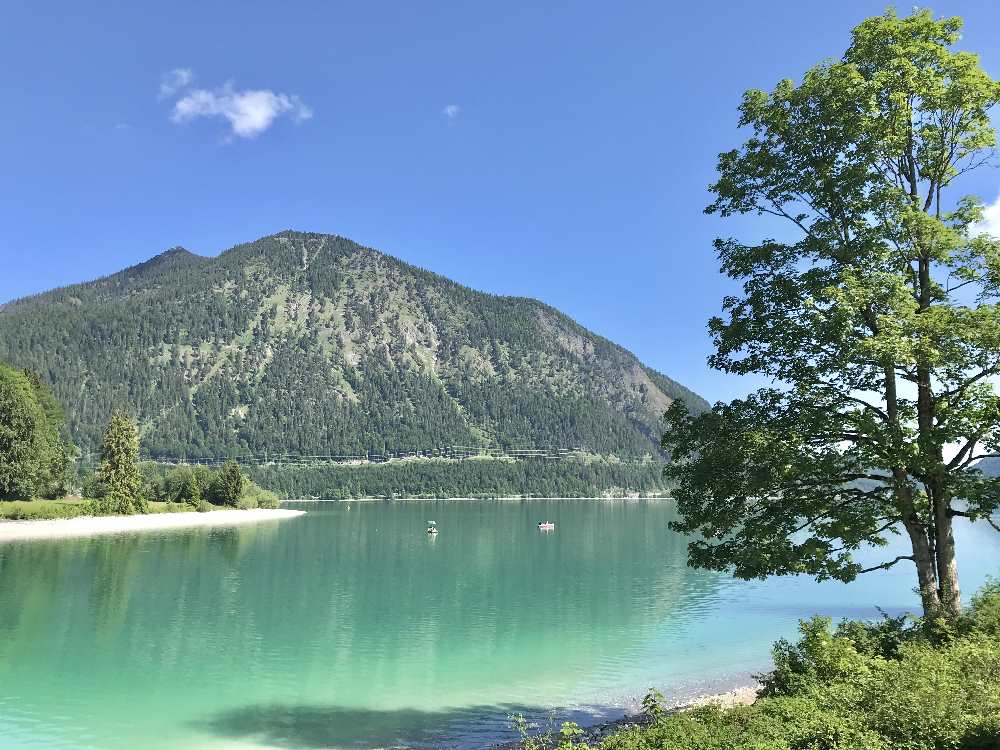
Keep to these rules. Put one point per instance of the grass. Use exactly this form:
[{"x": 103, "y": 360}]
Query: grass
[
  {"x": 73, "y": 507},
  {"x": 16, "y": 510}
]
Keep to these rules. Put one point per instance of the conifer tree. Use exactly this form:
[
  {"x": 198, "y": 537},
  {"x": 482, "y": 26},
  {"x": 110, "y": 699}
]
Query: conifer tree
[
  {"x": 120, "y": 472},
  {"x": 229, "y": 484}
]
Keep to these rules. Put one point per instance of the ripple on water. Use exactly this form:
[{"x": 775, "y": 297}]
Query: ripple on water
[{"x": 352, "y": 629}]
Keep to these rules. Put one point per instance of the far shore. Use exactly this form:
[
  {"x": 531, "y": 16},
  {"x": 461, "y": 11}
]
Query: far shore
[
  {"x": 367, "y": 499},
  {"x": 62, "y": 528}
]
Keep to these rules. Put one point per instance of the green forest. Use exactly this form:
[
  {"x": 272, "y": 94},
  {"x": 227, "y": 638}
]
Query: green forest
[
  {"x": 38, "y": 462},
  {"x": 311, "y": 344},
  {"x": 477, "y": 477}
]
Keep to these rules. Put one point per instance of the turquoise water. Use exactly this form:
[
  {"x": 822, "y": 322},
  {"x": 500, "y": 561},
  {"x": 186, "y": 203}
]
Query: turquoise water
[{"x": 350, "y": 627}]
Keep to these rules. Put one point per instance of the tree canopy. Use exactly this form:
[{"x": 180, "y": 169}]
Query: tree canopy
[
  {"x": 873, "y": 310},
  {"x": 34, "y": 455}
]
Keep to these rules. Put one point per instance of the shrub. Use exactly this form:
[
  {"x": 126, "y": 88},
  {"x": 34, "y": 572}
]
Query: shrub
[
  {"x": 268, "y": 500},
  {"x": 937, "y": 697},
  {"x": 93, "y": 487},
  {"x": 983, "y": 615},
  {"x": 895, "y": 684},
  {"x": 883, "y": 638},
  {"x": 774, "y": 724},
  {"x": 818, "y": 659}
]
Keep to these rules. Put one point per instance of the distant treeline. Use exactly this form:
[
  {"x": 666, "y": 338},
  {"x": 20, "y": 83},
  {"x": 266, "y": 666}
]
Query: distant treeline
[{"x": 483, "y": 477}]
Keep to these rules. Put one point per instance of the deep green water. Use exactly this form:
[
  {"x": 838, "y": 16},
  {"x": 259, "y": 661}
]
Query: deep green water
[{"x": 349, "y": 627}]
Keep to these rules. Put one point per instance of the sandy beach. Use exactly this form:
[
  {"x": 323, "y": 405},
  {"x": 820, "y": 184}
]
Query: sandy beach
[{"x": 12, "y": 531}]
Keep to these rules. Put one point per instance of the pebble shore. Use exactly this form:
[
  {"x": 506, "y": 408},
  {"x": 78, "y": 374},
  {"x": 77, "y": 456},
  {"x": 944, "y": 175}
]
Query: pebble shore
[{"x": 594, "y": 735}]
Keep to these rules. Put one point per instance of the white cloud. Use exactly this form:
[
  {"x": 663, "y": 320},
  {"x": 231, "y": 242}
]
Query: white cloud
[
  {"x": 248, "y": 112},
  {"x": 991, "y": 220},
  {"x": 452, "y": 111},
  {"x": 174, "y": 81}
]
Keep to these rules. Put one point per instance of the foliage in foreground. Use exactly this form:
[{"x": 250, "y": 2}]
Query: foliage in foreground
[{"x": 891, "y": 685}]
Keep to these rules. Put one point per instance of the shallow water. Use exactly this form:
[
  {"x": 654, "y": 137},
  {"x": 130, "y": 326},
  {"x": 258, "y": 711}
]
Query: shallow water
[{"x": 350, "y": 627}]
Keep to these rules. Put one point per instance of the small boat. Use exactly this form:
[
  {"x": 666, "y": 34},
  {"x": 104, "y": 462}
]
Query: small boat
[
  {"x": 432, "y": 527},
  {"x": 546, "y": 526}
]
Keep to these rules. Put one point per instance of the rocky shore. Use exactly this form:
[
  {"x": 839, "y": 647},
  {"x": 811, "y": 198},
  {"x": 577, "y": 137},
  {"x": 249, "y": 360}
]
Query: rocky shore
[{"x": 594, "y": 735}]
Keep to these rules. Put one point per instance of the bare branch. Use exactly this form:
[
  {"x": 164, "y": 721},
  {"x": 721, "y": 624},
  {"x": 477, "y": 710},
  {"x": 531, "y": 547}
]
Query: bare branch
[{"x": 886, "y": 565}]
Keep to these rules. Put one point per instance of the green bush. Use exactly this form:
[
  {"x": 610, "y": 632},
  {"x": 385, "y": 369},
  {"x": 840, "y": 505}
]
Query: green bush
[
  {"x": 894, "y": 684},
  {"x": 773, "y": 724},
  {"x": 883, "y": 637},
  {"x": 820, "y": 658},
  {"x": 983, "y": 615},
  {"x": 937, "y": 697}
]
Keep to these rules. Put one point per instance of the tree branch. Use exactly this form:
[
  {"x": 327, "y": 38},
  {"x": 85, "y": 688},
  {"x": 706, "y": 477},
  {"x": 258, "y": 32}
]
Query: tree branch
[{"x": 886, "y": 565}]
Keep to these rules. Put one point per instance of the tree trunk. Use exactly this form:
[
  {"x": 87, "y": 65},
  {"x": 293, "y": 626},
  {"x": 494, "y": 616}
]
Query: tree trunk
[
  {"x": 903, "y": 491},
  {"x": 947, "y": 567},
  {"x": 917, "y": 531}
]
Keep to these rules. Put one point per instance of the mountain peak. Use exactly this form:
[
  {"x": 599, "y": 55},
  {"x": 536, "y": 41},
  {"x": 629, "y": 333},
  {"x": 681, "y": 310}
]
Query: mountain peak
[
  {"x": 175, "y": 254},
  {"x": 311, "y": 343}
]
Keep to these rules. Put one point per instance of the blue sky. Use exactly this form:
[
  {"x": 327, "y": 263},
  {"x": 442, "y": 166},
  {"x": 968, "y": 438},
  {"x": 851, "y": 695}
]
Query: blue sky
[{"x": 556, "y": 150}]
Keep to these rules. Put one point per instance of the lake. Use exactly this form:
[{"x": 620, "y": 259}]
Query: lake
[{"x": 351, "y": 627}]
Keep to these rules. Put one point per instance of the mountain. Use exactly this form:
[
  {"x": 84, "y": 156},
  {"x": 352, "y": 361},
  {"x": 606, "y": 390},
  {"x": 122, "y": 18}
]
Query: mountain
[
  {"x": 312, "y": 344},
  {"x": 989, "y": 466}
]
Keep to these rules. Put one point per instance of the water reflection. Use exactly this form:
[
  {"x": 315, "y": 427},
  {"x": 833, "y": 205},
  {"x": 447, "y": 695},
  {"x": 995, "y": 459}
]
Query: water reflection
[
  {"x": 322, "y": 726},
  {"x": 353, "y": 628}
]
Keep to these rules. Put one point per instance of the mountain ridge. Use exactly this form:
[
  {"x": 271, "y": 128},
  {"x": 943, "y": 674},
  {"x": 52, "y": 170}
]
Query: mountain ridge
[{"x": 300, "y": 331}]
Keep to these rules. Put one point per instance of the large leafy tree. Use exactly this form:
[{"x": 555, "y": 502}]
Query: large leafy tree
[
  {"x": 34, "y": 455},
  {"x": 120, "y": 474},
  {"x": 873, "y": 313}
]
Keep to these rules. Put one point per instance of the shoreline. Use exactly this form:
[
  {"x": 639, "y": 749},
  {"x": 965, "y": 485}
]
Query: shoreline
[
  {"x": 594, "y": 734},
  {"x": 490, "y": 498},
  {"x": 84, "y": 526}
]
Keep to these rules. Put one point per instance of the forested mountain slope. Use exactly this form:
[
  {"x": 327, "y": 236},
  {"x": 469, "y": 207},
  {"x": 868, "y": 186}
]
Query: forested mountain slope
[{"x": 312, "y": 344}]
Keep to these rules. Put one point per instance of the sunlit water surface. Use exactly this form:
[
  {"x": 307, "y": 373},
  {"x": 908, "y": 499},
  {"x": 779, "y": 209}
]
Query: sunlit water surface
[{"x": 351, "y": 627}]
